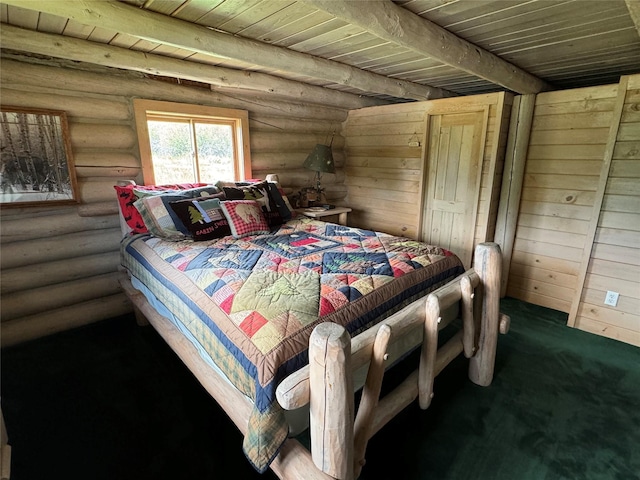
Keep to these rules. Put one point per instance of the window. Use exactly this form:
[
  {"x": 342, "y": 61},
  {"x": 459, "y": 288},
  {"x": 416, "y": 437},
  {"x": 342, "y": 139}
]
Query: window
[{"x": 182, "y": 143}]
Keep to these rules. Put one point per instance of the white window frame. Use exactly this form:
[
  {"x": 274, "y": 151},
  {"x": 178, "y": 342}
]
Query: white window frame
[{"x": 145, "y": 110}]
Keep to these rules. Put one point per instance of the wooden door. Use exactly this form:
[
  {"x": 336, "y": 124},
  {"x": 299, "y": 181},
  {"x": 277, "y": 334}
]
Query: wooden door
[{"x": 454, "y": 167}]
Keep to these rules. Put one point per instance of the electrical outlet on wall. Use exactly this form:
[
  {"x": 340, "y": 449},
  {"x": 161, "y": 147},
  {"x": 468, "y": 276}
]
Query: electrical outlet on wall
[{"x": 611, "y": 298}]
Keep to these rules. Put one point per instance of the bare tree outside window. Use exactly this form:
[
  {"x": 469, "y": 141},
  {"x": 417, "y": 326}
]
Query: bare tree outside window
[{"x": 36, "y": 165}]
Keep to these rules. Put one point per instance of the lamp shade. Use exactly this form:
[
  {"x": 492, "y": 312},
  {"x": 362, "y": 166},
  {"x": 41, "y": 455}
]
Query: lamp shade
[{"x": 320, "y": 160}]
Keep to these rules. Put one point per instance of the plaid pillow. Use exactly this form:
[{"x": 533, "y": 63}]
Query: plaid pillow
[
  {"x": 160, "y": 218},
  {"x": 127, "y": 197},
  {"x": 245, "y": 218}
]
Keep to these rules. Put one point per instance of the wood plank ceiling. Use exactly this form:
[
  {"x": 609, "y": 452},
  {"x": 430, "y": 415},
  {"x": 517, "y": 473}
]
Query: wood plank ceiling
[{"x": 349, "y": 46}]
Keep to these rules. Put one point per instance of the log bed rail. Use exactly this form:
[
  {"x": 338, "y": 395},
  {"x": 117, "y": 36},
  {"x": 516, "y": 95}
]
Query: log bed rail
[{"x": 339, "y": 365}]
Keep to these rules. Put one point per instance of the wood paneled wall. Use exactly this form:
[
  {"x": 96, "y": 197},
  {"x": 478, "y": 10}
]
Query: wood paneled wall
[
  {"x": 566, "y": 148},
  {"x": 577, "y": 230},
  {"x": 384, "y": 172},
  {"x": 385, "y": 163},
  {"x": 59, "y": 265},
  {"x": 614, "y": 260}
]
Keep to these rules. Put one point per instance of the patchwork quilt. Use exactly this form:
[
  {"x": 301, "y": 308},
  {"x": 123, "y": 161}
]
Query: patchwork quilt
[{"x": 253, "y": 302}]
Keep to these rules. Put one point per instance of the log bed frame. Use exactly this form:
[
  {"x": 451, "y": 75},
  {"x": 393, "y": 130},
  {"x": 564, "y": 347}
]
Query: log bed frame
[{"x": 339, "y": 365}]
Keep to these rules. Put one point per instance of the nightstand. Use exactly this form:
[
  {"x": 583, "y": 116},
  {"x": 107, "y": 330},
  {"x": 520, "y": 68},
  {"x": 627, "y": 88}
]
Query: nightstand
[{"x": 341, "y": 212}]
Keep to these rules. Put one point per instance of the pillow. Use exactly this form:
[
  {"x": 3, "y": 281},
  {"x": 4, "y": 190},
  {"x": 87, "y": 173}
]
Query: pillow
[
  {"x": 127, "y": 196},
  {"x": 281, "y": 201},
  {"x": 160, "y": 218},
  {"x": 287, "y": 204},
  {"x": 228, "y": 183},
  {"x": 267, "y": 195},
  {"x": 175, "y": 186},
  {"x": 126, "y": 199},
  {"x": 178, "y": 221},
  {"x": 191, "y": 189},
  {"x": 203, "y": 217},
  {"x": 246, "y": 191},
  {"x": 245, "y": 218}
]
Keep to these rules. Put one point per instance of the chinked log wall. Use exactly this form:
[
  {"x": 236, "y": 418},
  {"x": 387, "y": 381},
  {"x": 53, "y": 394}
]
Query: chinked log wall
[{"x": 59, "y": 264}]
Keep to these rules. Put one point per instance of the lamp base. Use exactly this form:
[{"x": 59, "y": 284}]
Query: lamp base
[{"x": 310, "y": 197}]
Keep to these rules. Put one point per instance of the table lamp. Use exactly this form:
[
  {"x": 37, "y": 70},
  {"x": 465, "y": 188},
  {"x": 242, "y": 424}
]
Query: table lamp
[{"x": 320, "y": 160}]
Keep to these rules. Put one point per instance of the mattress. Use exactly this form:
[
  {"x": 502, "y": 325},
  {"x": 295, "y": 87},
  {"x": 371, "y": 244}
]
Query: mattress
[{"x": 250, "y": 304}]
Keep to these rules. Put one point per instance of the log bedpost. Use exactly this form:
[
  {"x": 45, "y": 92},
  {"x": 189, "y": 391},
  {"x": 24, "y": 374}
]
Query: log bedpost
[
  {"x": 331, "y": 400},
  {"x": 5, "y": 451},
  {"x": 141, "y": 320},
  {"x": 370, "y": 397},
  {"x": 428, "y": 354},
  {"x": 468, "y": 319},
  {"x": 488, "y": 265}
]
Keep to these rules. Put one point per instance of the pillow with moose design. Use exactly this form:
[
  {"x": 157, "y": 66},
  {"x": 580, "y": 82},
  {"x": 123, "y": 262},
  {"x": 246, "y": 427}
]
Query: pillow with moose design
[
  {"x": 245, "y": 218},
  {"x": 267, "y": 195}
]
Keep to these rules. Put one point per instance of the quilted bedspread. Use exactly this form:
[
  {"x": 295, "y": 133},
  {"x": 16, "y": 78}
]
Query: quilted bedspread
[{"x": 252, "y": 302}]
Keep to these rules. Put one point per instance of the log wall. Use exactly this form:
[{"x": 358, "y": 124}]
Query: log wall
[
  {"x": 59, "y": 265},
  {"x": 577, "y": 234},
  {"x": 386, "y": 161}
]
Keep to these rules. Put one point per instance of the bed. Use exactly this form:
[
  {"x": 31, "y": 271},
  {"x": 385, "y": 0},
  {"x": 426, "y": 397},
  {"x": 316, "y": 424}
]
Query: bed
[{"x": 282, "y": 321}]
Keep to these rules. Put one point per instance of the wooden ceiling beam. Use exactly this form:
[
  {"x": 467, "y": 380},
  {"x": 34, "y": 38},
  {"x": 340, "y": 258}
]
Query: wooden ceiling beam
[
  {"x": 79, "y": 50},
  {"x": 393, "y": 23},
  {"x": 634, "y": 10},
  {"x": 155, "y": 27}
]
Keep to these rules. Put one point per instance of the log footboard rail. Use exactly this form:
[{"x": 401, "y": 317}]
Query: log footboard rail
[{"x": 338, "y": 364}]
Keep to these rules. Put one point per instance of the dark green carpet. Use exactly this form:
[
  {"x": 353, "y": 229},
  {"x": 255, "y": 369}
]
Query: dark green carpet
[{"x": 111, "y": 401}]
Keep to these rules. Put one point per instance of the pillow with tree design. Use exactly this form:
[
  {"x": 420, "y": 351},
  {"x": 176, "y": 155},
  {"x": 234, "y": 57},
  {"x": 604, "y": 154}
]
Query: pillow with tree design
[{"x": 202, "y": 217}]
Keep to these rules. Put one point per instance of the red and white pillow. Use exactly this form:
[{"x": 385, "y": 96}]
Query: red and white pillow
[{"x": 245, "y": 218}]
